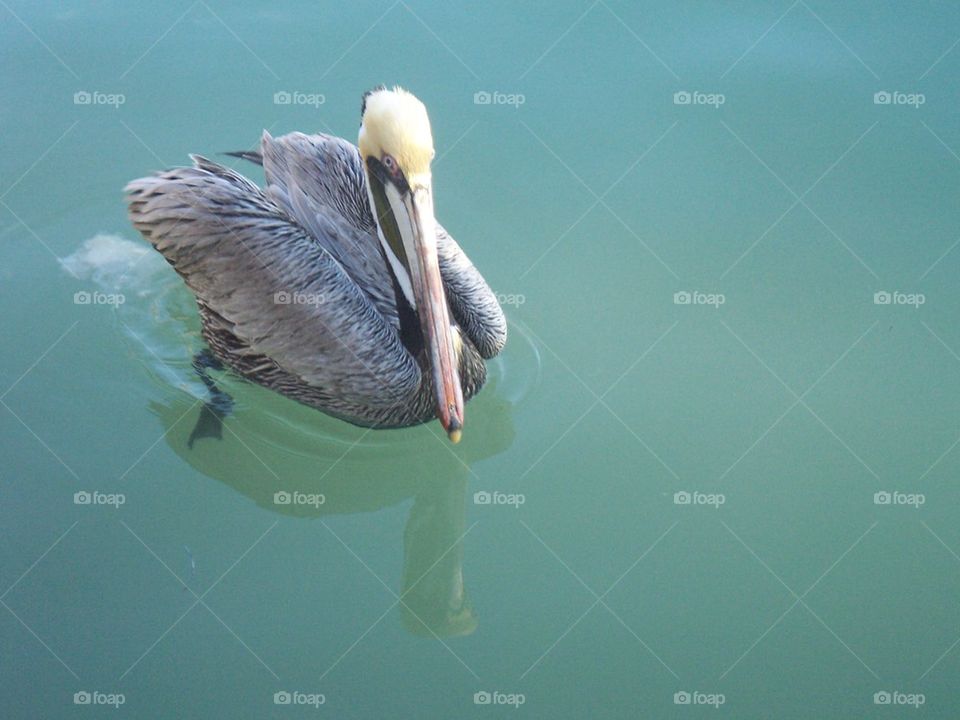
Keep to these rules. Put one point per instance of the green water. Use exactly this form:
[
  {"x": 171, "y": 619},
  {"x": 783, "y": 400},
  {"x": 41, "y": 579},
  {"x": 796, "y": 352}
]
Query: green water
[{"x": 782, "y": 197}]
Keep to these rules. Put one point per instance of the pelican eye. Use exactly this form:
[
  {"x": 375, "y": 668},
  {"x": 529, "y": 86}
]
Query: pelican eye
[{"x": 390, "y": 164}]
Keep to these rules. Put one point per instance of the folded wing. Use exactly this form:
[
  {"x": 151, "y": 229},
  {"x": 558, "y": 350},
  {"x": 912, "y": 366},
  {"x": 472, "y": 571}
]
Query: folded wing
[
  {"x": 315, "y": 176},
  {"x": 275, "y": 285}
]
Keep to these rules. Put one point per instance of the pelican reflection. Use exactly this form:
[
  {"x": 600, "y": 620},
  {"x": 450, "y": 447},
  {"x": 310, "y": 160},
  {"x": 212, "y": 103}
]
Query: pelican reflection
[{"x": 283, "y": 467}]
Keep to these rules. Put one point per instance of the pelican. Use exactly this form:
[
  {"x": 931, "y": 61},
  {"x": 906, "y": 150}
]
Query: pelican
[{"x": 334, "y": 285}]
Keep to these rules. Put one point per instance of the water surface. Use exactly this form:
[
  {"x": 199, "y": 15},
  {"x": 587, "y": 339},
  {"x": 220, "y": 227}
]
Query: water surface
[{"x": 729, "y": 268}]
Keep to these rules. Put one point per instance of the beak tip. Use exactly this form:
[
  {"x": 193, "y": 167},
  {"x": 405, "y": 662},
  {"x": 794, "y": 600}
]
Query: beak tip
[{"x": 455, "y": 430}]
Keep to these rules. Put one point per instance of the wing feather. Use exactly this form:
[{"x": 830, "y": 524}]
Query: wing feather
[
  {"x": 238, "y": 251},
  {"x": 313, "y": 177}
]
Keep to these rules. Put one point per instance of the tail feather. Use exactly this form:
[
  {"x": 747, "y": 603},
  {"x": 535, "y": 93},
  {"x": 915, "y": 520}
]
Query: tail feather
[{"x": 254, "y": 156}]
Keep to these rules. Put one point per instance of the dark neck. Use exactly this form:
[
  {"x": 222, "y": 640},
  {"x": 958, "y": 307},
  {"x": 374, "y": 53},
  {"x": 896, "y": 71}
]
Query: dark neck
[{"x": 411, "y": 335}]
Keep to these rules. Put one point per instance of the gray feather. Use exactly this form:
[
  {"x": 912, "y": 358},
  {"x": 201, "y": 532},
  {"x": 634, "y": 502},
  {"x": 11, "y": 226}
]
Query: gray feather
[{"x": 309, "y": 234}]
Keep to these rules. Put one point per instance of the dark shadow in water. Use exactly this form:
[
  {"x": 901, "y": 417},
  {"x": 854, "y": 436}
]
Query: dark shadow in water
[{"x": 264, "y": 454}]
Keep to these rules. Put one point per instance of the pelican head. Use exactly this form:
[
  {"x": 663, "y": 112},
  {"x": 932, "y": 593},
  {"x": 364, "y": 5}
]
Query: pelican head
[{"x": 396, "y": 146}]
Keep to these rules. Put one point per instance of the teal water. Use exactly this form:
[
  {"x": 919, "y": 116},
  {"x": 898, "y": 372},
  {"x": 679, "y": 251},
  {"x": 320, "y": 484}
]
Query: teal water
[{"x": 781, "y": 399}]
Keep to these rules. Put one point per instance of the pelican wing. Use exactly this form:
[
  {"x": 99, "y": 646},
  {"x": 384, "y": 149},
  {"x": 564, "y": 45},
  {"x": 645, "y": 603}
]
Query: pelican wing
[
  {"x": 472, "y": 302},
  {"x": 278, "y": 289},
  {"x": 311, "y": 176},
  {"x": 315, "y": 177}
]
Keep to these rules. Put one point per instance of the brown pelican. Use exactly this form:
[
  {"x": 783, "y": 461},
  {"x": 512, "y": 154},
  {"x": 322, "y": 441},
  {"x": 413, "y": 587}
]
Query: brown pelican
[{"x": 334, "y": 285}]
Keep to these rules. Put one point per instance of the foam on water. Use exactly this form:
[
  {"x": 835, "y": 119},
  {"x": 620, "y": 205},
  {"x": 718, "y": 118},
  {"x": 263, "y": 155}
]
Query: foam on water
[
  {"x": 112, "y": 262},
  {"x": 154, "y": 317}
]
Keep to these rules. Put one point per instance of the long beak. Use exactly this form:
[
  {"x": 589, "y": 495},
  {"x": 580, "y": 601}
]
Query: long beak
[{"x": 432, "y": 304}]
